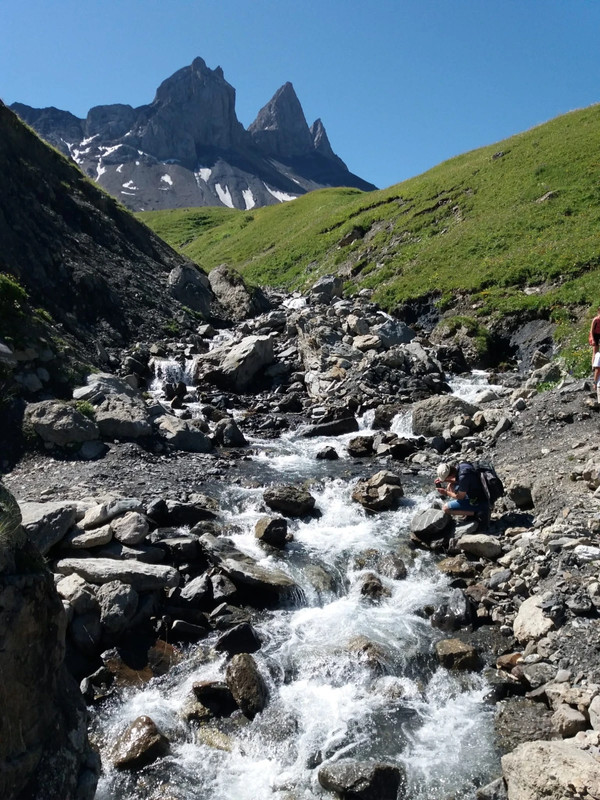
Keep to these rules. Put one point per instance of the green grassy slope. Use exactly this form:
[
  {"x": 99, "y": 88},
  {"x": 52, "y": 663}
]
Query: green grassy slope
[{"x": 521, "y": 214}]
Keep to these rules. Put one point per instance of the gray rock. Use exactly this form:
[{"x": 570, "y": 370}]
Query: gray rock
[
  {"x": 118, "y": 604},
  {"x": 228, "y": 434},
  {"x": 272, "y": 531},
  {"x": 380, "y": 492},
  {"x": 131, "y": 528},
  {"x": 7, "y": 357},
  {"x": 363, "y": 780},
  {"x": 568, "y": 721},
  {"x": 143, "y": 577},
  {"x": 241, "y": 638},
  {"x": 80, "y": 539},
  {"x": 198, "y": 591},
  {"x": 103, "y": 383},
  {"x": 266, "y": 585},
  {"x": 289, "y": 500},
  {"x": 531, "y": 622},
  {"x": 480, "y": 546},
  {"x": 234, "y": 296},
  {"x": 326, "y": 289},
  {"x": 432, "y": 416},
  {"x": 107, "y": 511},
  {"x": 190, "y": 285},
  {"x": 454, "y": 654},
  {"x": 393, "y": 332},
  {"x": 59, "y": 423},
  {"x": 246, "y": 684},
  {"x": 79, "y": 594},
  {"x": 47, "y": 523},
  {"x": 139, "y": 745},
  {"x": 122, "y": 416},
  {"x": 183, "y": 434}
]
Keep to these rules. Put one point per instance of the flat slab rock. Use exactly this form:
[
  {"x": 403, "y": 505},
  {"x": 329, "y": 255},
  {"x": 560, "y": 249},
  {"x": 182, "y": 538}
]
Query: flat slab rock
[{"x": 143, "y": 577}]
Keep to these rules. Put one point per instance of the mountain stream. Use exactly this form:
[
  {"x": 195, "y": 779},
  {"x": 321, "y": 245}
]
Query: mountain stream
[{"x": 325, "y": 701}]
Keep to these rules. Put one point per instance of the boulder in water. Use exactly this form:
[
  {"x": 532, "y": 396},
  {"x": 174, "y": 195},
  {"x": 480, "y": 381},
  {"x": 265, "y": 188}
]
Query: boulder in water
[
  {"x": 240, "y": 639},
  {"x": 139, "y": 745},
  {"x": 246, "y": 684},
  {"x": 381, "y": 492},
  {"x": 272, "y": 530},
  {"x": 454, "y": 654},
  {"x": 363, "y": 780},
  {"x": 289, "y": 500}
]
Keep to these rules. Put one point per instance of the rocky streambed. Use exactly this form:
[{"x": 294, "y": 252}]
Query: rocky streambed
[{"x": 261, "y": 597}]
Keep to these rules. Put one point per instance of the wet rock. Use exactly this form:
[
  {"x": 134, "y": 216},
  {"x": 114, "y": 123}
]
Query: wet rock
[
  {"x": 455, "y": 613},
  {"x": 370, "y": 586},
  {"x": 454, "y": 654},
  {"x": 381, "y": 492},
  {"x": 370, "y": 654},
  {"x": 334, "y": 427},
  {"x": 328, "y": 454},
  {"x": 363, "y": 780},
  {"x": 246, "y": 684},
  {"x": 289, "y": 500},
  {"x": 141, "y": 744},
  {"x": 430, "y": 525},
  {"x": 223, "y": 589},
  {"x": 496, "y": 790},
  {"x": 272, "y": 531},
  {"x": 58, "y": 423},
  {"x": 264, "y": 586},
  {"x": 216, "y": 697},
  {"x": 360, "y": 446},
  {"x": 239, "y": 639}
]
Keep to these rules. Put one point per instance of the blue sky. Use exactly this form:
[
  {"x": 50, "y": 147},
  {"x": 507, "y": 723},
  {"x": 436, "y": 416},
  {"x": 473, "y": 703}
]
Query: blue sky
[{"x": 399, "y": 84}]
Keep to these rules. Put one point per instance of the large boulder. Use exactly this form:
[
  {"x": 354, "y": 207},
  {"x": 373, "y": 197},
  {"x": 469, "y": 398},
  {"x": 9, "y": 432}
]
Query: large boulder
[
  {"x": 183, "y": 434},
  {"x": 44, "y": 752},
  {"x": 47, "y": 523},
  {"x": 326, "y": 289},
  {"x": 103, "y": 383},
  {"x": 264, "y": 586},
  {"x": 188, "y": 284},
  {"x": 381, "y": 492},
  {"x": 429, "y": 526},
  {"x": 121, "y": 416},
  {"x": 241, "y": 363},
  {"x": 552, "y": 770},
  {"x": 289, "y": 500},
  {"x": 143, "y": 577},
  {"x": 363, "y": 780},
  {"x": 431, "y": 417},
  {"x": 393, "y": 332},
  {"x": 238, "y": 301},
  {"x": 59, "y": 423}
]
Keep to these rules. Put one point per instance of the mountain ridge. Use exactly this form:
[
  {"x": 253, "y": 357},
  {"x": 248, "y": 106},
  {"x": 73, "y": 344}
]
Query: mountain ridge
[{"x": 187, "y": 148}]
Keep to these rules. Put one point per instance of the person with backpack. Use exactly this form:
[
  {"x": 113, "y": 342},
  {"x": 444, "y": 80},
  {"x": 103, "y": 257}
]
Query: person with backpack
[{"x": 465, "y": 490}]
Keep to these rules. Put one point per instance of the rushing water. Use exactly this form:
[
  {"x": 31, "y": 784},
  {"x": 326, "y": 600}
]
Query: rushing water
[{"x": 325, "y": 700}]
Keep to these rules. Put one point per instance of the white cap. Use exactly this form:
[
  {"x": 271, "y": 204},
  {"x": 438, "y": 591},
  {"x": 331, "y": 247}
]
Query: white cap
[{"x": 443, "y": 471}]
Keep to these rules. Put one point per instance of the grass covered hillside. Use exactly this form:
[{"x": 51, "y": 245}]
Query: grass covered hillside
[{"x": 516, "y": 226}]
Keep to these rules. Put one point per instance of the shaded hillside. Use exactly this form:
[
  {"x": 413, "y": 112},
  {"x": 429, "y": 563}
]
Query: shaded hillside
[
  {"x": 83, "y": 259},
  {"x": 513, "y": 226}
]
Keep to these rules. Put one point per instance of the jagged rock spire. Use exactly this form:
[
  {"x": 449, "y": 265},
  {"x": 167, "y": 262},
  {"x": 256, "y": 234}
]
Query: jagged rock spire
[{"x": 280, "y": 129}]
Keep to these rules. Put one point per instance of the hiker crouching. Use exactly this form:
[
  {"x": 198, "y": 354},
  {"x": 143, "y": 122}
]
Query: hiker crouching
[{"x": 461, "y": 483}]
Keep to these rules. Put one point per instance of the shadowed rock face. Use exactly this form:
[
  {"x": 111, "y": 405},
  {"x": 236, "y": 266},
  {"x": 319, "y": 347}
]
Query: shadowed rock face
[
  {"x": 79, "y": 255},
  {"x": 43, "y": 740},
  {"x": 187, "y": 148}
]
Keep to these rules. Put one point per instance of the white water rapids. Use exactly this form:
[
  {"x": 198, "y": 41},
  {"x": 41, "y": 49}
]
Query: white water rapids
[{"x": 325, "y": 703}]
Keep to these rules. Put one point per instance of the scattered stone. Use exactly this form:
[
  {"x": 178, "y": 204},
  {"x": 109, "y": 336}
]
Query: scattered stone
[
  {"x": 363, "y": 780},
  {"x": 140, "y": 744},
  {"x": 454, "y": 654},
  {"x": 246, "y": 684}
]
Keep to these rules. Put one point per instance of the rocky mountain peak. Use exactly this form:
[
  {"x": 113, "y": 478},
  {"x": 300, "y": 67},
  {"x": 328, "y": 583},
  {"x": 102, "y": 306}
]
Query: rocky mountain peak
[
  {"x": 280, "y": 129},
  {"x": 321, "y": 142}
]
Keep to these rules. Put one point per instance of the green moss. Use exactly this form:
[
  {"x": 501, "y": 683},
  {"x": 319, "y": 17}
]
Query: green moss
[
  {"x": 471, "y": 327},
  {"x": 86, "y": 408}
]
